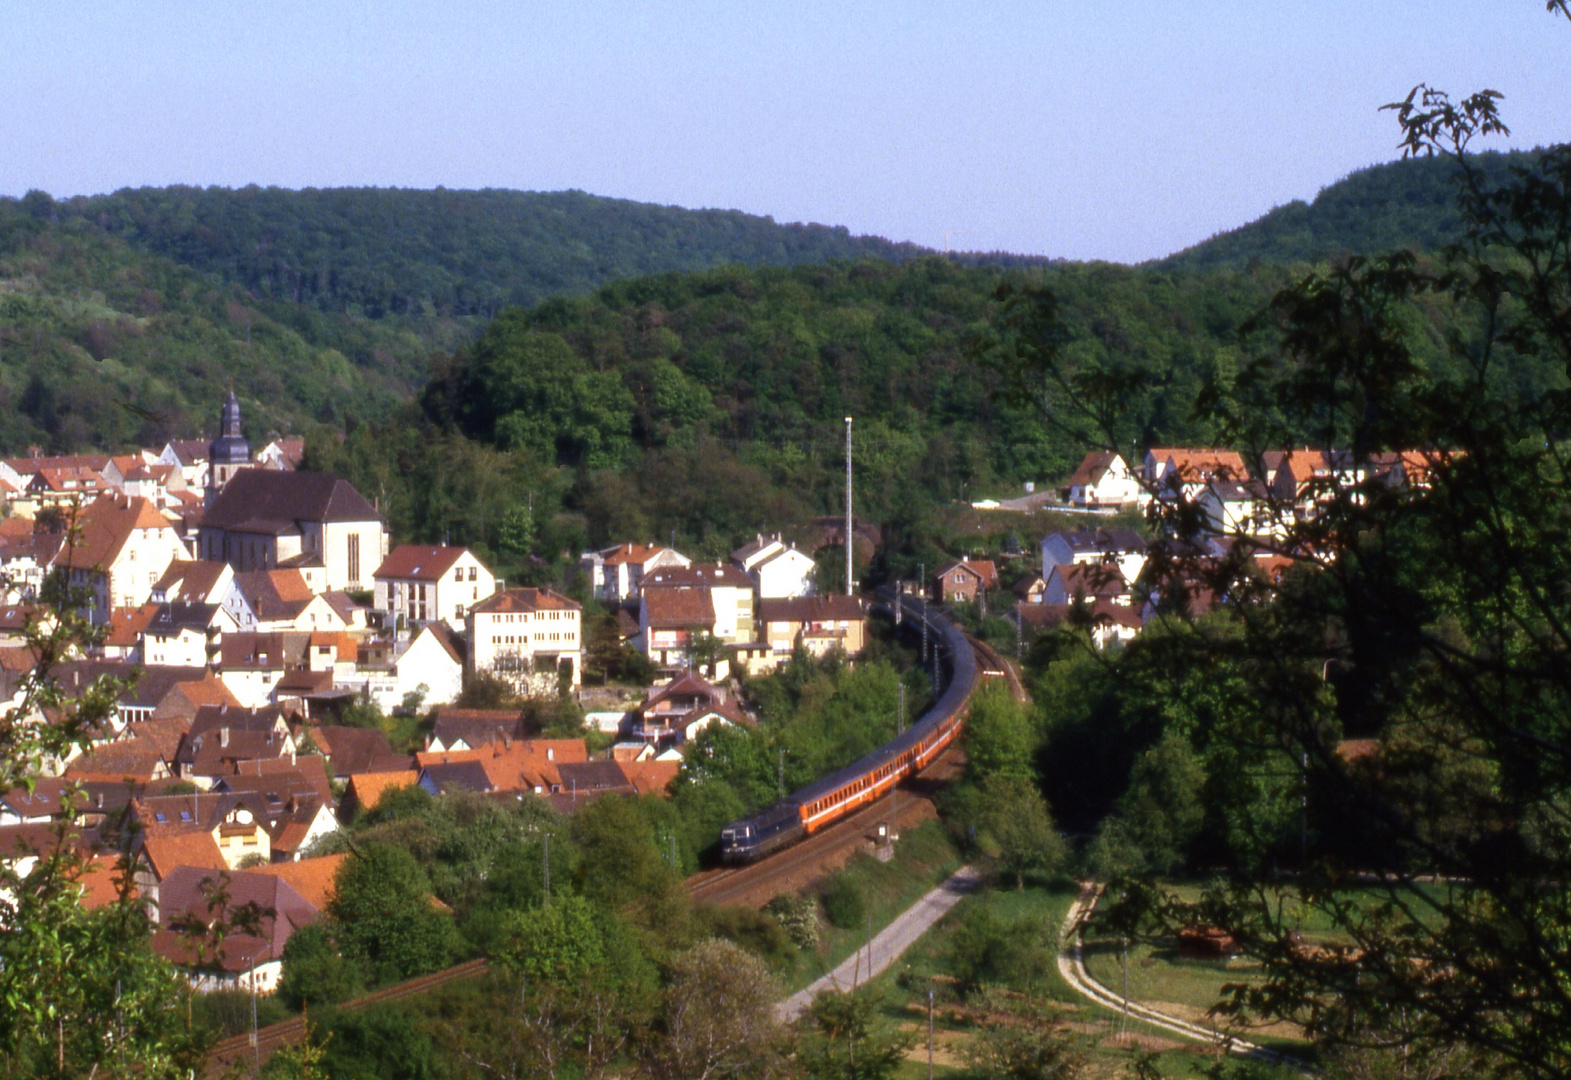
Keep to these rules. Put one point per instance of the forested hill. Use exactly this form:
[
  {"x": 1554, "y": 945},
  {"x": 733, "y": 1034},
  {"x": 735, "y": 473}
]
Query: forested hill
[
  {"x": 380, "y": 251},
  {"x": 1403, "y": 204}
]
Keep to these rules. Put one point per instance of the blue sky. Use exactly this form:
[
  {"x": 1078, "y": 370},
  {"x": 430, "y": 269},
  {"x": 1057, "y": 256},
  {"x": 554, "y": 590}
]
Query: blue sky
[{"x": 1097, "y": 129}]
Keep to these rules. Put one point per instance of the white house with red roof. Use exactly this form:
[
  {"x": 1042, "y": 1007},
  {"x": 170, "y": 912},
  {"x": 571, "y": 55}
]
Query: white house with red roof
[
  {"x": 119, "y": 550},
  {"x": 420, "y": 584},
  {"x": 1102, "y": 481},
  {"x": 1170, "y": 470},
  {"x": 617, "y": 573}
]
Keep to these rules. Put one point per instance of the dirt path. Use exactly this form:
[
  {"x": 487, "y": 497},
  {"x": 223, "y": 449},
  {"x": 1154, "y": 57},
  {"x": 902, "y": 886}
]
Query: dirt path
[
  {"x": 888, "y": 944},
  {"x": 1071, "y": 965}
]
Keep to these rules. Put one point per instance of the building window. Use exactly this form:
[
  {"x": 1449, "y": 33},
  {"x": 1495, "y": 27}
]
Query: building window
[
  {"x": 458, "y": 574},
  {"x": 354, "y": 557},
  {"x": 472, "y": 574}
]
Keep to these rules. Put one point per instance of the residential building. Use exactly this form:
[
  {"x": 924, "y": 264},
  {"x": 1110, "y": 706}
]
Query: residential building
[
  {"x": 120, "y": 549},
  {"x": 528, "y": 637},
  {"x": 250, "y": 961},
  {"x": 419, "y": 584},
  {"x": 670, "y": 620},
  {"x": 269, "y": 601},
  {"x": 282, "y": 454},
  {"x": 965, "y": 581},
  {"x": 617, "y": 573},
  {"x": 1172, "y": 470},
  {"x": 730, "y": 595},
  {"x": 1122, "y": 548},
  {"x": 183, "y": 634},
  {"x": 469, "y": 729},
  {"x": 312, "y": 522},
  {"x": 430, "y": 666},
  {"x": 673, "y": 714},
  {"x": 1103, "y": 480},
  {"x": 1071, "y": 582},
  {"x": 197, "y": 582},
  {"x": 816, "y": 624},
  {"x": 1108, "y": 623},
  {"x": 778, "y": 571}
]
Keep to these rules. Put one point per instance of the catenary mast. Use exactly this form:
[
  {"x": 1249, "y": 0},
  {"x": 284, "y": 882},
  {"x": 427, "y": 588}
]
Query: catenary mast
[{"x": 850, "y": 547}]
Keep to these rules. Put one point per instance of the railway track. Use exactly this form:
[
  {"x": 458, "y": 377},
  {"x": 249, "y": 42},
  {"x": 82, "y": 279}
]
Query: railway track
[
  {"x": 754, "y": 884},
  {"x": 991, "y": 663},
  {"x": 797, "y": 866},
  {"x": 275, "y": 1037}
]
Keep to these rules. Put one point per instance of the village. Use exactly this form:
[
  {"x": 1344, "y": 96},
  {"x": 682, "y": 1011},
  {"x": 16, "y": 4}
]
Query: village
[{"x": 248, "y": 604}]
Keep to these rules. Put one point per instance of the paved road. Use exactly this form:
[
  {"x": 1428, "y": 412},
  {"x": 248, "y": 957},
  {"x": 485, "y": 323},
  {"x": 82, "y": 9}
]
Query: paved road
[{"x": 888, "y": 944}]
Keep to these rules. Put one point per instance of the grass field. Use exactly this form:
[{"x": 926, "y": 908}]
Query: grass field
[{"x": 1032, "y": 919}]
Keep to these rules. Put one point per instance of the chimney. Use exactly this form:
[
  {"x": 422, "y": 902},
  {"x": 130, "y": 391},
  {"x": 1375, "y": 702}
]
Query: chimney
[{"x": 223, "y": 735}]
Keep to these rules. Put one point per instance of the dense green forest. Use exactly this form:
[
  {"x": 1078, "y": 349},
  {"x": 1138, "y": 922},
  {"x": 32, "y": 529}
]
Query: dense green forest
[
  {"x": 381, "y": 251},
  {"x": 645, "y": 408},
  {"x": 105, "y": 346},
  {"x": 635, "y": 408},
  {"x": 1403, "y": 204}
]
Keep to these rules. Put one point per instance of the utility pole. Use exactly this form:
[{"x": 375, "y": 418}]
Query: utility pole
[
  {"x": 894, "y": 788},
  {"x": 869, "y": 946},
  {"x": 546, "y": 866},
  {"x": 929, "y": 1033},
  {"x": 1124, "y": 1025},
  {"x": 850, "y": 546},
  {"x": 780, "y": 770}
]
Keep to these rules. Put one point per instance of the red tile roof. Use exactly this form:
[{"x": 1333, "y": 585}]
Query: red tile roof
[
  {"x": 635, "y": 554},
  {"x": 1092, "y": 468},
  {"x": 417, "y": 563},
  {"x": 167, "y": 850},
  {"x": 126, "y": 625},
  {"x": 834, "y": 607},
  {"x": 526, "y": 599},
  {"x": 104, "y": 526},
  {"x": 311, "y": 878},
  {"x": 670, "y": 608}
]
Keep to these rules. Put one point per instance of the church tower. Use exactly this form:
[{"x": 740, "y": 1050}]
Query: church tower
[{"x": 229, "y": 453}]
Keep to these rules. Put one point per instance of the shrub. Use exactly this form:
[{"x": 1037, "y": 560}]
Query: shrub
[
  {"x": 798, "y": 917},
  {"x": 844, "y": 904}
]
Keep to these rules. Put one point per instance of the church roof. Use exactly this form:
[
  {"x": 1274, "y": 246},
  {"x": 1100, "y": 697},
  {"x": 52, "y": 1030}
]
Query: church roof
[{"x": 268, "y": 500}]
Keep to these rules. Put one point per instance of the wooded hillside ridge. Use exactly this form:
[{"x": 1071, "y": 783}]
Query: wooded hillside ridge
[
  {"x": 374, "y": 252},
  {"x": 1400, "y": 204}
]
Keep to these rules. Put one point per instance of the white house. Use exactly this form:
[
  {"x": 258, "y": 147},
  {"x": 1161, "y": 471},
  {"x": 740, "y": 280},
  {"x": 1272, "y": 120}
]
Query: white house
[
  {"x": 1124, "y": 548},
  {"x": 617, "y": 572},
  {"x": 186, "y": 634},
  {"x": 121, "y": 548},
  {"x": 423, "y": 584},
  {"x": 279, "y": 600},
  {"x": 1103, "y": 480},
  {"x": 778, "y": 571},
  {"x": 1242, "y": 509},
  {"x": 1090, "y": 582},
  {"x": 269, "y": 520},
  {"x": 526, "y": 636},
  {"x": 432, "y": 665}
]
